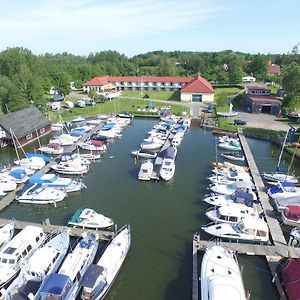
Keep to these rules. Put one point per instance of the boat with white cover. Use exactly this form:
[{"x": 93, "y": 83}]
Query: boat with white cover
[
  {"x": 150, "y": 145},
  {"x": 237, "y": 156},
  {"x": 229, "y": 189},
  {"x": 34, "y": 163},
  {"x": 7, "y": 184},
  {"x": 65, "y": 139},
  {"x": 221, "y": 276},
  {"x": 40, "y": 194},
  {"x": 65, "y": 284},
  {"x": 45, "y": 260},
  {"x": 284, "y": 190},
  {"x": 88, "y": 218},
  {"x": 144, "y": 153},
  {"x": 167, "y": 169},
  {"x": 65, "y": 184},
  {"x": 248, "y": 229},
  {"x": 243, "y": 197},
  {"x": 146, "y": 170},
  {"x": 232, "y": 146},
  {"x": 20, "y": 248},
  {"x": 52, "y": 148},
  {"x": 72, "y": 167},
  {"x": 100, "y": 276},
  {"x": 231, "y": 213}
]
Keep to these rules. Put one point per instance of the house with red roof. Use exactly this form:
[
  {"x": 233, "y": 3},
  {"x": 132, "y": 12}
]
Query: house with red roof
[
  {"x": 191, "y": 88},
  {"x": 273, "y": 69}
]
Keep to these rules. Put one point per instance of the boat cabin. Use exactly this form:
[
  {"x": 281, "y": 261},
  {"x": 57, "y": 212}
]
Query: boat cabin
[
  {"x": 254, "y": 227},
  {"x": 21, "y": 246}
]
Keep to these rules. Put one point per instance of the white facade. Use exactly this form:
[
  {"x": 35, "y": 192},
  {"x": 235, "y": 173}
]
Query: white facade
[
  {"x": 188, "y": 97},
  {"x": 248, "y": 79}
]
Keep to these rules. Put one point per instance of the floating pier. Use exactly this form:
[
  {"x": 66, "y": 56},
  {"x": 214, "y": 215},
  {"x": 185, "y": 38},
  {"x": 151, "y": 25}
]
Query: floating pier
[{"x": 273, "y": 251}]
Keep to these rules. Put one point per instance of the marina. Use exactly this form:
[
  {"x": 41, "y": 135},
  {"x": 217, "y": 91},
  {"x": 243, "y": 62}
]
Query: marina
[{"x": 177, "y": 208}]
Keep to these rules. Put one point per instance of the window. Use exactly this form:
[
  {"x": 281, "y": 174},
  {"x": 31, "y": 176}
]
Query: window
[
  {"x": 42, "y": 130},
  {"x": 29, "y": 248},
  {"x": 29, "y": 136}
]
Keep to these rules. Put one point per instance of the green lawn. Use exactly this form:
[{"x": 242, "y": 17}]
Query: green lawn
[
  {"x": 157, "y": 95},
  {"x": 222, "y": 95},
  {"x": 113, "y": 107}
]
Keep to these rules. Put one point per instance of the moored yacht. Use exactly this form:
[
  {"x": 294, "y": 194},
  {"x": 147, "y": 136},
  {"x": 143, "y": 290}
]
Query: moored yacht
[
  {"x": 221, "y": 277},
  {"x": 34, "y": 163},
  {"x": 6, "y": 233},
  {"x": 248, "y": 229},
  {"x": 52, "y": 148},
  {"x": 72, "y": 167},
  {"x": 229, "y": 189},
  {"x": 144, "y": 153},
  {"x": 39, "y": 194},
  {"x": 65, "y": 284},
  {"x": 284, "y": 190},
  {"x": 45, "y": 260},
  {"x": 146, "y": 170},
  {"x": 100, "y": 276},
  {"x": 20, "y": 248},
  {"x": 167, "y": 169},
  {"x": 88, "y": 218}
]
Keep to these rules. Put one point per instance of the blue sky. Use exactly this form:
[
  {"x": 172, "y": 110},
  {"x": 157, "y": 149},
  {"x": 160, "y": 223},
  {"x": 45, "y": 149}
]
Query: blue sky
[{"x": 134, "y": 26}]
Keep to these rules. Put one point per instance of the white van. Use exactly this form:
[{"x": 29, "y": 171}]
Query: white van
[{"x": 55, "y": 106}]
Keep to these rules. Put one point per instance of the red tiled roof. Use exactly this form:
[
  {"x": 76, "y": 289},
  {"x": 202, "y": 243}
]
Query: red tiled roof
[
  {"x": 273, "y": 69},
  {"x": 198, "y": 84},
  {"x": 267, "y": 100},
  {"x": 97, "y": 81},
  {"x": 101, "y": 80}
]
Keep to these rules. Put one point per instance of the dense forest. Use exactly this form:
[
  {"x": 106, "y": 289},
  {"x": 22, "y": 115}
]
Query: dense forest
[{"x": 25, "y": 78}]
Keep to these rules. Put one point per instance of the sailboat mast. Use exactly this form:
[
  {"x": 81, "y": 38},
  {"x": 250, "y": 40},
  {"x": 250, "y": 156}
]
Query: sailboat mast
[
  {"x": 282, "y": 148},
  {"x": 15, "y": 146},
  {"x": 294, "y": 154},
  {"x": 38, "y": 137}
]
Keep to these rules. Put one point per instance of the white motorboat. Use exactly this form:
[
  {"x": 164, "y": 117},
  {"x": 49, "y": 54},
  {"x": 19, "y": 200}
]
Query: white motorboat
[
  {"x": 167, "y": 169},
  {"x": 154, "y": 140},
  {"x": 52, "y": 148},
  {"x": 231, "y": 213},
  {"x": 45, "y": 260},
  {"x": 284, "y": 190},
  {"x": 233, "y": 156},
  {"x": 248, "y": 229},
  {"x": 88, "y": 218},
  {"x": 232, "y": 146},
  {"x": 90, "y": 156},
  {"x": 65, "y": 140},
  {"x": 150, "y": 145},
  {"x": 225, "y": 167},
  {"x": 221, "y": 277},
  {"x": 275, "y": 177},
  {"x": 230, "y": 178},
  {"x": 229, "y": 189},
  {"x": 144, "y": 154},
  {"x": 146, "y": 170},
  {"x": 177, "y": 139},
  {"x": 66, "y": 283},
  {"x": 100, "y": 276},
  {"x": 65, "y": 184},
  {"x": 93, "y": 145},
  {"x": 34, "y": 163},
  {"x": 243, "y": 197},
  {"x": 7, "y": 184},
  {"x": 17, "y": 174},
  {"x": 39, "y": 194},
  {"x": 20, "y": 248},
  {"x": 72, "y": 167},
  {"x": 6, "y": 233}
]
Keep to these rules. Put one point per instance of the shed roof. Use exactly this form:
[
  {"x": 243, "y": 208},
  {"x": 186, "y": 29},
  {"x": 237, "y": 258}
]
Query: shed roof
[
  {"x": 24, "y": 121},
  {"x": 266, "y": 100}
]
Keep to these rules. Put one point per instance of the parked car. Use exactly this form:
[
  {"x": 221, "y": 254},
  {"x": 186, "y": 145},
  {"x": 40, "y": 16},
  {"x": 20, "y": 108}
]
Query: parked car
[{"x": 239, "y": 122}]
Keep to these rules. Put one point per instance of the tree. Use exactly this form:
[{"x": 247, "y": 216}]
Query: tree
[
  {"x": 291, "y": 85},
  {"x": 166, "y": 67},
  {"x": 258, "y": 66},
  {"x": 5, "y": 89}
]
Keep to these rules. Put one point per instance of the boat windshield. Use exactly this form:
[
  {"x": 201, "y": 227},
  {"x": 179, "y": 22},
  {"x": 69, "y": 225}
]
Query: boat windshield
[{"x": 238, "y": 227}]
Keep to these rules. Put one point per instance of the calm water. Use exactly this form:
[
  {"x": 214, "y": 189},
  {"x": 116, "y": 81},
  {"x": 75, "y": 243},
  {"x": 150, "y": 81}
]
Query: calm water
[{"x": 163, "y": 216}]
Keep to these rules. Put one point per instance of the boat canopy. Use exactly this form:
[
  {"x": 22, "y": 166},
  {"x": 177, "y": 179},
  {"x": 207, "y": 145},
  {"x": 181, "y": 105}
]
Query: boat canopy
[
  {"x": 55, "y": 284},
  {"x": 244, "y": 198},
  {"x": 68, "y": 155},
  {"x": 77, "y": 132},
  {"x": 91, "y": 275},
  {"x": 18, "y": 173},
  {"x": 41, "y": 178},
  {"x": 43, "y": 156},
  {"x": 170, "y": 152}
]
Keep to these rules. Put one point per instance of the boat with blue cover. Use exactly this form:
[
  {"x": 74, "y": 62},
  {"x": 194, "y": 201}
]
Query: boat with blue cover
[{"x": 61, "y": 183}]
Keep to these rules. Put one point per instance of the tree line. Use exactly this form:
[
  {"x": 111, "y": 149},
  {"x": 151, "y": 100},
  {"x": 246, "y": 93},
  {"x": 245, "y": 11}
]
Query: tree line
[{"x": 26, "y": 79}]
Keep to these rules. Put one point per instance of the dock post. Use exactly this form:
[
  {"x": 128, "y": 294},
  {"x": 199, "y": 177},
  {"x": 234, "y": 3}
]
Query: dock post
[{"x": 195, "y": 288}]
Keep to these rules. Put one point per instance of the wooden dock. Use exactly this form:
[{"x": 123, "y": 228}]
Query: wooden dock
[
  {"x": 273, "y": 252},
  {"x": 47, "y": 227}
]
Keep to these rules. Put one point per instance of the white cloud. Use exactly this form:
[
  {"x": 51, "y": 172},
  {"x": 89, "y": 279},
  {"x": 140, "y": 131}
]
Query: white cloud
[{"x": 91, "y": 20}]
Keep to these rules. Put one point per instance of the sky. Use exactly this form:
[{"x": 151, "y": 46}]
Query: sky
[{"x": 134, "y": 27}]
